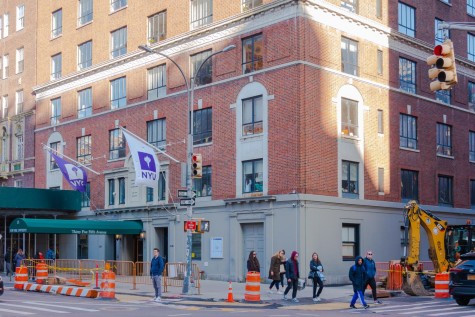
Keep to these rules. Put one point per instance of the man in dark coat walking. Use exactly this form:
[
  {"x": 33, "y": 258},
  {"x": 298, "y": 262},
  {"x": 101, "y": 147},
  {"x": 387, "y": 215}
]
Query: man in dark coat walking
[{"x": 357, "y": 275}]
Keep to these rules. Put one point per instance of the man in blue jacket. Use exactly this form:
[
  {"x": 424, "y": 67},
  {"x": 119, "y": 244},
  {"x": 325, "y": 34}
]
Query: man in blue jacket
[
  {"x": 156, "y": 269},
  {"x": 370, "y": 267},
  {"x": 357, "y": 275}
]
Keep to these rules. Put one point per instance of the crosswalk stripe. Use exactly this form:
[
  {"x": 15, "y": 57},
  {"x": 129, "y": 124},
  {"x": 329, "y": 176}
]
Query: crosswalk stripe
[
  {"x": 411, "y": 307},
  {"x": 35, "y": 308},
  {"x": 430, "y": 310},
  {"x": 447, "y": 313},
  {"x": 61, "y": 306},
  {"x": 15, "y": 311}
]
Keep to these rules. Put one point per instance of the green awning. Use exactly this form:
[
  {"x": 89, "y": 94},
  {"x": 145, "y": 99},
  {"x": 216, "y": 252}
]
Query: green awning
[
  {"x": 61, "y": 226},
  {"x": 39, "y": 199}
]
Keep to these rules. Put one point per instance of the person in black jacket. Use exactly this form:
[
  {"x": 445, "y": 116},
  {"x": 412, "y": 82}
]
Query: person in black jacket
[
  {"x": 316, "y": 270},
  {"x": 357, "y": 275},
  {"x": 253, "y": 263},
  {"x": 292, "y": 275}
]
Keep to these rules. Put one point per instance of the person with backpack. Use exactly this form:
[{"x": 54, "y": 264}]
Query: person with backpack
[
  {"x": 370, "y": 267},
  {"x": 357, "y": 275}
]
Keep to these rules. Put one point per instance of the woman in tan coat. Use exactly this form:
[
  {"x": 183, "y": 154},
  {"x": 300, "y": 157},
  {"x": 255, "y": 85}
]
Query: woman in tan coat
[{"x": 274, "y": 271}]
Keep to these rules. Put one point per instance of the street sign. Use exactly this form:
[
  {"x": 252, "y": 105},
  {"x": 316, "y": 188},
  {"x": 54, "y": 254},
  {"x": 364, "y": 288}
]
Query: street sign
[
  {"x": 187, "y": 202},
  {"x": 183, "y": 193},
  {"x": 190, "y": 225}
]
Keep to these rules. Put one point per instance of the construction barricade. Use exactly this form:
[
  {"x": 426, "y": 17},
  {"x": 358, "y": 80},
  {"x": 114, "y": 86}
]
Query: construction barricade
[
  {"x": 21, "y": 277},
  {"x": 394, "y": 281},
  {"x": 442, "y": 285},
  {"x": 41, "y": 273},
  {"x": 253, "y": 287},
  {"x": 108, "y": 285}
]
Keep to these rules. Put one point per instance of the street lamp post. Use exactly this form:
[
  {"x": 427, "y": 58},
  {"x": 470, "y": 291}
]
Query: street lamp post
[{"x": 189, "y": 148}]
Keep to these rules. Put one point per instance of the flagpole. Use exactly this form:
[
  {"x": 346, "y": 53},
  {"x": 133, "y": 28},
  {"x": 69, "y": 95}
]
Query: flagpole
[
  {"x": 82, "y": 165},
  {"x": 151, "y": 145}
]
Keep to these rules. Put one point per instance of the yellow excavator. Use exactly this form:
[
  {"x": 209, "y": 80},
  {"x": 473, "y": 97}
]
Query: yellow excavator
[{"x": 446, "y": 243}]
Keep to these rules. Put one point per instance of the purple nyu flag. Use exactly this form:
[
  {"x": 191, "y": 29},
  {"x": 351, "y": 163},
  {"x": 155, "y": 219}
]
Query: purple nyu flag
[{"x": 75, "y": 175}]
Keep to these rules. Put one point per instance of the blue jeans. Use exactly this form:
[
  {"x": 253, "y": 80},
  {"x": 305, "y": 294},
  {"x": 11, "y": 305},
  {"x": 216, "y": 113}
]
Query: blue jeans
[
  {"x": 157, "y": 285},
  {"x": 356, "y": 295}
]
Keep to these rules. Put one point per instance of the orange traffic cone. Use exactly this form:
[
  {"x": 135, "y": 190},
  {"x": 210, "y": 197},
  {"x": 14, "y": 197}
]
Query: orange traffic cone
[{"x": 230, "y": 293}]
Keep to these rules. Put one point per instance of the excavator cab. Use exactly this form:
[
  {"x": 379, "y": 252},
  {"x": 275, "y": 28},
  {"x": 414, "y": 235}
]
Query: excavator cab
[{"x": 459, "y": 239}]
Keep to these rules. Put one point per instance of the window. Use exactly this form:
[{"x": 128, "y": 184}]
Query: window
[
  {"x": 409, "y": 185},
  {"x": 57, "y": 23},
  {"x": 252, "y": 53},
  {"x": 252, "y": 114},
  {"x": 407, "y": 75},
  {"x": 1, "y": 26},
  {"x": 19, "y": 151},
  {"x": 5, "y": 106},
  {"x": 201, "y": 13},
  {"x": 380, "y": 121},
  {"x": 52, "y": 163},
  {"x": 350, "y": 241},
  {"x": 6, "y": 24},
  {"x": 56, "y": 66},
  {"x": 379, "y": 9},
  {"x": 157, "y": 133},
  {"x": 20, "y": 17},
  {"x": 202, "y": 126},
  {"x": 349, "y": 179},
  {"x": 440, "y": 35},
  {"x": 20, "y": 60},
  {"x": 5, "y": 66},
  {"x": 111, "y": 183},
  {"x": 446, "y": 190},
  {"x": 406, "y": 19},
  {"x": 252, "y": 176},
  {"x": 85, "y": 11},
  {"x": 250, "y": 4},
  {"x": 472, "y": 193},
  {"x": 116, "y": 144},
  {"x": 162, "y": 189},
  {"x": 196, "y": 247},
  {"x": 205, "y": 74},
  {"x": 18, "y": 184},
  {"x": 85, "y": 55},
  {"x": 3, "y": 146},
  {"x": 55, "y": 110},
  {"x": 117, "y": 4},
  {"x": 157, "y": 82},
  {"x": 84, "y": 149},
  {"x": 157, "y": 27},
  {"x": 86, "y": 196},
  {"x": 350, "y": 5},
  {"x": 19, "y": 102},
  {"x": 118, "y": 93},
  {"x": 85, "y": 103},
  {"x": 202, "y": 185},
  {"x": 381, "y": 180},
  {"x": 407, "y": 131},
  {"x": 443, "y": 96},
  {"x": 471, "y": 47},
  {"x": 119, "y": 42},
  {"x": 121, "y": 190},
  {"x": 471, "y": 95},
  {"x": 471, "y": 146},
  {"x": 444, "y": 139},
  {"x": 349, "y": 117},
  {"x": 380, "y": 62},
  {"x": 349, "y": 56},
  {"x": 471, "y": 7}
]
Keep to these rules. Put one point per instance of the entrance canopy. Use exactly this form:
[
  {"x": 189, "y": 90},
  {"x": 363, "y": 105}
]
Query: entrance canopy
[
  {"x": 14, "y": 198},
  {"x": 61, "y": 226}
]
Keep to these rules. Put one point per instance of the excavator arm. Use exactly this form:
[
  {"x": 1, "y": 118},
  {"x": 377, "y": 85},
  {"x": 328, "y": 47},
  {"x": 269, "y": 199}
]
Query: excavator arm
[{"x": 435, "y": 229}]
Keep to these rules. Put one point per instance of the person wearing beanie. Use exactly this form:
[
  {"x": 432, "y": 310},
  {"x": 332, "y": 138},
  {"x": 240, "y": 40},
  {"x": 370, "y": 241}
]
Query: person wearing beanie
[
  {"x": 292, "y": 275},
  {"x": 357, "y": 275}
]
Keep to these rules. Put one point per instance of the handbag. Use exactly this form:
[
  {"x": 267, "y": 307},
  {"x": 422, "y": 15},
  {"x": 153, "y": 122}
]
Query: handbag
[
  {"x": 301, "y": 284},
  {"x": 311, "y": 274}
]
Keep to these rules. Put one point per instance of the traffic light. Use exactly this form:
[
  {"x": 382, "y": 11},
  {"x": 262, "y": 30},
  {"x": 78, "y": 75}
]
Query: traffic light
[
  {"x": 202, "y": 226},
  {"x": 197, "y": 166},
  {"x": 443, "y": 67}
]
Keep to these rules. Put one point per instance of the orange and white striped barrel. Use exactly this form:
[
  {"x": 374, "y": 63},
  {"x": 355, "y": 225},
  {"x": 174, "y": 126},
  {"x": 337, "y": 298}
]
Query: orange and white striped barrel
[
  {"x": 41, "y": 273},
  {"x": 108, "y": 285},
  {"x": 442, "y": 285},
  {"x": 253, "y": 287},
  {"x": 21, "y": 277}
]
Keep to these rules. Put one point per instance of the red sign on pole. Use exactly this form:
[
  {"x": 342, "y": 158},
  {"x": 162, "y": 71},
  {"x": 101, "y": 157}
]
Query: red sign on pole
[{"x": 190, "y": 225}]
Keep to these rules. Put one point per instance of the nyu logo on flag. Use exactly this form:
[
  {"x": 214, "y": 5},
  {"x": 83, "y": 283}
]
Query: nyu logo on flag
[
  {"x": 75, "y": 175},
  {"x": 146, "y": 163}
]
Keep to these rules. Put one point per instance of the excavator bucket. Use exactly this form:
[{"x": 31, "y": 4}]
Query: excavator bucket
[{"x": 412, "y": 285}]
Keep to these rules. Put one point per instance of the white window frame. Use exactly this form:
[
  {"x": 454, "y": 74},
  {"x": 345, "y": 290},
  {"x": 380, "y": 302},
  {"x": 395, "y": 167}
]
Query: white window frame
[
  {"x": 116, "y": 93},
  {"x": 56, "y": 65},
  {"x": 19, "y": 101},
  {"x": 201, "y": 13},
  {"x": 157, "y": 82},
  {"x": 118, "y": 42},
  {"x": 85, "y": 11},
  {"x": 6, "y": 25},
  {"x": 5, "y": 64},
  {"x": 1, "y": 26},
  {"x": 20, "y": 56},
  {"x": 118, "y": 4},
  {"x": 20, "y": 17},
  {"x": 157, "y": 27},
  {"x": 4, "y": 106},
  {"x": 20, "y": 147},
  {"x": 56, "y": 23},
  {"x": 55, "y": 110},
  {"x": 85, "y": 103},
  {"x": 85, "y": 55}
]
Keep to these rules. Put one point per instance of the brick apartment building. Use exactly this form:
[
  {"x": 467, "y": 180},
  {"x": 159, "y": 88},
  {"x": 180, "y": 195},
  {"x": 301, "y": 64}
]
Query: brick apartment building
[{"x": 314, "y": 131}]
